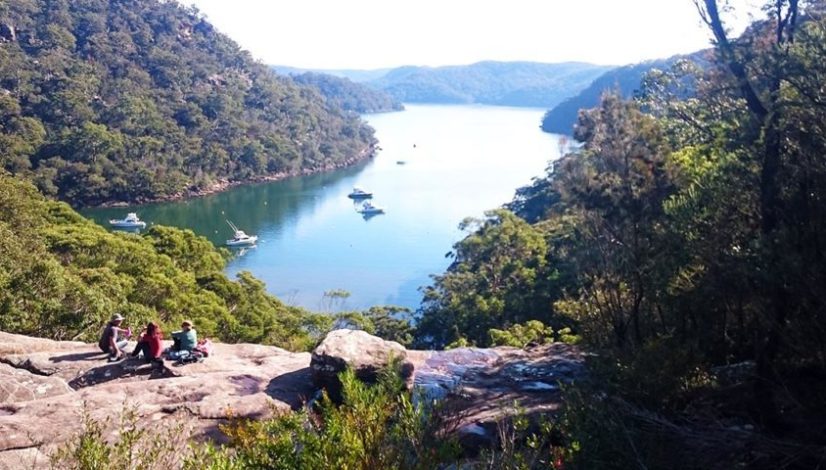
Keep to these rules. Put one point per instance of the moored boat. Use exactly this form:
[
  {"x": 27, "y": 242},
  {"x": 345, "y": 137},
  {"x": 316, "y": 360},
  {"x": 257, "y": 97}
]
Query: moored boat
[
  {"x": 130, "y": 221},
  {"x": 240, "y": 238},
  {"x": 369, "y": 209},
  {"x": 360, "y": 193}
]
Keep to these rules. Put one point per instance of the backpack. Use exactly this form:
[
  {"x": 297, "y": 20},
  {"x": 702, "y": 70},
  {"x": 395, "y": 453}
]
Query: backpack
[{"x": 204, "y": 347}]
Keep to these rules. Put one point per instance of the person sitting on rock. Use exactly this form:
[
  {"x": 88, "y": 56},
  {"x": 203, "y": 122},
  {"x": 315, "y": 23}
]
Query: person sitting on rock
[
  {"x": 149, "y": 343},
  {"x": 109, "y": 339},
  {"x": 184, "y": 341}
]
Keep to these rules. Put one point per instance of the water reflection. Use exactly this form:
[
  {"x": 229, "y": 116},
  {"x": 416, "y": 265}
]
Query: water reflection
[
  {"x": 312, "y": 238},
  {"x": 257, "y": 208}
]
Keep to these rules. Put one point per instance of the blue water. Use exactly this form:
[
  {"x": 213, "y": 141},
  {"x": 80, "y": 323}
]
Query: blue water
[{"x": 459, "y": 162}]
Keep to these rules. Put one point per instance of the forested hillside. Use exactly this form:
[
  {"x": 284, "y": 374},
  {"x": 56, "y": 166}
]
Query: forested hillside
[
  {"x": 349, "y": 95},
  {"x": 626, "y": 80},
  {"x": 683, "y": 243},
  {"x": 496, "y": 83},
  {"x": 529, "y": 84},
  {"x": 62, "y": 276},
  {"x": 106, "y": 101}
]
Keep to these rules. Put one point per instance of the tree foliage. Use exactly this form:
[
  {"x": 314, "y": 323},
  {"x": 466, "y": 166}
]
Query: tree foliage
[
  {"x": 62, "y": 276},
  {"x": 105, "y": 101},
  {"x": 686, "y": 236},
  {"x": 496, "y": 279},
  {"x": 349, "y": 95}
]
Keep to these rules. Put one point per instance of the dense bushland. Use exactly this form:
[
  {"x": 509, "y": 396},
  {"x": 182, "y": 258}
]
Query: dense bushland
[
  {"x": 105, "y": 101},
  {"x": 683, "y": 241}
]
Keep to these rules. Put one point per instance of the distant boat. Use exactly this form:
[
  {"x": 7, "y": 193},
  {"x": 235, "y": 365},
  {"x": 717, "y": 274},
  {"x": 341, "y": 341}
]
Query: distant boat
[
  {"x": 240, "y": 238},
  {"x": 130, "y": 221},
  {"x": 401, "y": 162},
  {"x": 359, "y": 193},
  {"x": 369, "y": 209}
]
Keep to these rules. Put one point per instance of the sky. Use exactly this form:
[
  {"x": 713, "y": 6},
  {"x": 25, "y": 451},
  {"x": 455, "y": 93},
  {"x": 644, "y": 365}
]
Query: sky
[{"x": 369, "y": 34}]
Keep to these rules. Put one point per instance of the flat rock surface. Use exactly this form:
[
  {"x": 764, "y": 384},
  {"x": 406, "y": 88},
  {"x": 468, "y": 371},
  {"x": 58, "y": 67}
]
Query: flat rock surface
[{"x": 46, "y": 387}]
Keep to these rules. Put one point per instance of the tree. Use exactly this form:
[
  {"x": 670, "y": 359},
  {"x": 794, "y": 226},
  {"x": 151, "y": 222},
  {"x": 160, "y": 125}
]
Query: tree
[{"x": 492, "y": 282}]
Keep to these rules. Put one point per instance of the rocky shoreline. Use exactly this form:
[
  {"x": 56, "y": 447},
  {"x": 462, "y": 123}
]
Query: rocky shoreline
[{"x": 225, "y": 184}]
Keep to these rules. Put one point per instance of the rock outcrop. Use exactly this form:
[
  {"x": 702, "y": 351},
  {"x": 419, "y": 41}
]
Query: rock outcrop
[
  {"x": 7, "y": 33},
  {"x": 47, "y": 386},
  {"x": 365, "y": 354}
]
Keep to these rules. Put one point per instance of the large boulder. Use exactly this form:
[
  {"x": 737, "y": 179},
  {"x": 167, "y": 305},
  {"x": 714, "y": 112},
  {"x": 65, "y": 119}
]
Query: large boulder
[{"x": 362, "y": 352}]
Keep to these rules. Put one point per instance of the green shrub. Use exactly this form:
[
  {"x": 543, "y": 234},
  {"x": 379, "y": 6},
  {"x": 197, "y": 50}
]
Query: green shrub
[
  {"x": 131, "y": 448},
  {"x": 376, "y": 427}
]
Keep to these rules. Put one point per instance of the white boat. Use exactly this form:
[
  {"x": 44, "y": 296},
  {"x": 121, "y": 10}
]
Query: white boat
[
  {"x": 370, "y": 209},
  {"x": 130, "y": 221},
  {"x": 360, "y": 193},
  {"x": 240, "y": 238}
]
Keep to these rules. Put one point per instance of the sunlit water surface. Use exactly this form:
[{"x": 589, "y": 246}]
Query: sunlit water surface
[{"x": 458, "y": 161}]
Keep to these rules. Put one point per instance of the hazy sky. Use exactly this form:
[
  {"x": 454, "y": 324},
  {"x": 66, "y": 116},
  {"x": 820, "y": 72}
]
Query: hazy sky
[{"x": 387, "y": 33}]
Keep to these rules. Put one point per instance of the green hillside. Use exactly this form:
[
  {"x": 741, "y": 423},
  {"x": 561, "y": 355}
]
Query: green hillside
[
  {"x": 529, "y": 84},
  {"x": 105, "y": 101},
  {"x": 626, "y": 80},
  {"x": 62, "y": 276},
  {"x": 349, "y": 95}
]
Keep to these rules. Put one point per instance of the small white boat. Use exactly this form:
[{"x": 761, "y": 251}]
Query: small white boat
[
  {"x": 240, "y": 238},
  {"x": 130, "y": 221},
  {"x": 370, "y": 209},
  {"x": 360, "y": 193}
]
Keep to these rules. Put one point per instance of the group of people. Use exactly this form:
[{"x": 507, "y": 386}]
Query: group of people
[{"x": 114, "y": 340}]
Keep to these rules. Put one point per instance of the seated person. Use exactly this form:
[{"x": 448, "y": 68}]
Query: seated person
[
  {"x": 110, "y": 341},
  {"x": 149, "y": 343},
  {"x": 184, "y": 341}
]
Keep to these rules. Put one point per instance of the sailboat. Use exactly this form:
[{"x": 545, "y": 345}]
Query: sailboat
[{"x": 240, "y": 238}]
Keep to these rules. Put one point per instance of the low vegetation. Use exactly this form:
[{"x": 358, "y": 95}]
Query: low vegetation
[{"x": 378, "y": 426}]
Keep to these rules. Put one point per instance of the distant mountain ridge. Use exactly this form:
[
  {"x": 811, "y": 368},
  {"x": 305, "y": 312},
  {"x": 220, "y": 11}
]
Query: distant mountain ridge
[
  {"x": 355, "y": 75},
  {"x": 627, "y": 80},
  {"x": 528, "y": 84}
]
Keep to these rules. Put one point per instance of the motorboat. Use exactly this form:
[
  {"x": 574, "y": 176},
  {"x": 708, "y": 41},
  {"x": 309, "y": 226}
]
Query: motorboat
[
  {"x": 240, "y": 238},
  {"x": 360, "y": 193},
  {"x": 369, "y": 209},
  {"x": 130, "y": 221}
]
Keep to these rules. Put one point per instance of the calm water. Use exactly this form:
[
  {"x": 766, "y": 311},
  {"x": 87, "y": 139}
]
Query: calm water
[{"x": 460, "y": 161}]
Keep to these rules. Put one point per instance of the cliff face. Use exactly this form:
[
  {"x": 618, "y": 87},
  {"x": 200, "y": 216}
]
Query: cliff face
[{"x": 47, "y": 386}]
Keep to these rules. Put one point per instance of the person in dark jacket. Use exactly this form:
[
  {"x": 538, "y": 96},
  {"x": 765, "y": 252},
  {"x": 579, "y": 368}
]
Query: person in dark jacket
[
  {"x": 149, "y": 343},
  {"x": 113, "y": 339}
]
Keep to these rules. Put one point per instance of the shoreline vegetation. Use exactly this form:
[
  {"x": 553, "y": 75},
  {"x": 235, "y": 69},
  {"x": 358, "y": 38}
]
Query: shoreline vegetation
[
  {"x": 102, "y": 102},
  {"x": 225, "y": 184}
]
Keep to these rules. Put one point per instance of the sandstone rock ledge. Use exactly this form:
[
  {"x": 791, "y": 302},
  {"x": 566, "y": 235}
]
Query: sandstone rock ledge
[{"x": 46, "y": 386}]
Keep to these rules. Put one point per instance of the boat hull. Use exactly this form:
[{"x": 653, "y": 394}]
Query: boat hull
[
  {"x": 248, "y": 242},
  {"x": 127, "y": 224}
]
